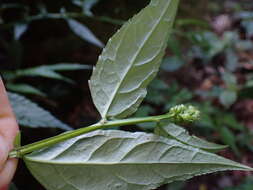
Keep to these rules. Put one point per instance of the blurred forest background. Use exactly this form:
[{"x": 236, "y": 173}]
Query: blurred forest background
[{"x": 48, "y": 48}]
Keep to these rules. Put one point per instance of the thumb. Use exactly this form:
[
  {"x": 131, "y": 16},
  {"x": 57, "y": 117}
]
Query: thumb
[
  {"x": 4, "y": 188},
  {"x": 8, "y": 132}
]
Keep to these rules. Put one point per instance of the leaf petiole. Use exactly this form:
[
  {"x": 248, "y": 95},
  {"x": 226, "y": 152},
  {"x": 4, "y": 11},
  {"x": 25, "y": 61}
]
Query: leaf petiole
[{"x": 21, "y": 151}]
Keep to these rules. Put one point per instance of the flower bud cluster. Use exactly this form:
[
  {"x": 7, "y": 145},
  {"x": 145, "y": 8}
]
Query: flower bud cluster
[{"x": 184, "y": 114}]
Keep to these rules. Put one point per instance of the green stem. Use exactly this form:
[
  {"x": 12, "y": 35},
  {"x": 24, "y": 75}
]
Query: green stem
[{"x": 21, "y": 151}]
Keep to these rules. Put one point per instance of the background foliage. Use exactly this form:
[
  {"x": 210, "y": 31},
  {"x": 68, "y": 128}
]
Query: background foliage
[{"x": 47, "y": 49}]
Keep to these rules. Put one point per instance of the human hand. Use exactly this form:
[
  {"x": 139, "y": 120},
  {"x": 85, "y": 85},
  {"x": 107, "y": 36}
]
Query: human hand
[{"x": 8, "y": 132}]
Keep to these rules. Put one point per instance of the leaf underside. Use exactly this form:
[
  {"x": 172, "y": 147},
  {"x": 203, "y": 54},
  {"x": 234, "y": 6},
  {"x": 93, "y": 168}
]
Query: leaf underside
[
  {"x": 118, "y": 160},
  {"x": 29, "y": 114},
  {"x": 83, "y": 32},
  {"x": 180, "y": 134},
  {"x": 131, "y": 60},
  {"x": 50, "y": 71}
]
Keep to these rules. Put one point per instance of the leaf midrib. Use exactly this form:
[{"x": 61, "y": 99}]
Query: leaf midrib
[
  {"x": 241, "y": 167},
  {"x": 134, "y": 59}
]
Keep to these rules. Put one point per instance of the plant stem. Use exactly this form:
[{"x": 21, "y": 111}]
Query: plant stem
[{"x": 21, "y": 151}]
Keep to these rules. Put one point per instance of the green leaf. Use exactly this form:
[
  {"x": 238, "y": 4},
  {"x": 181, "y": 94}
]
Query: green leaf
[
  {"x": 209, "y": 42},
  {"x": 13, "y": 187},
  {"x": 158, "y": 85},
  {"x": 12, "y": 6},
  {"x": 67, "y": 67},
  {"x": 145, "y": 111},
  {"x": 155, "y": 97},
  {"x": 49, "y": 71},
  {"x": 247, "y": 184},
  {"x": 244, "y": 45},
  {"x": 230, "y": 80},
  {"x": 194, "y": 22},
  {"x": 24, "y": 88},
  {"x": 84, "y": 33},
  {"x": 227, "y": 98},
  {"x": 181, "y": 135},
  {"x": 111, "y": 160},
  {"x": 30, "y": 114},
  {"x": 86, "y": 5},
  {"x": 19, "y": 30},
  {"x": 172, "y": 64},
  {"x": 248, "y": 25},
  {"x": 178, "y": 185},
  {"x": 247, "y": 15},
  {"x": 229, "y": 138},
  {"x": 174, "y": 46},
  {"x": 131, "y": 60},
  {"x": 232, "y": 61},
  {"x": 230, "y": 121}
]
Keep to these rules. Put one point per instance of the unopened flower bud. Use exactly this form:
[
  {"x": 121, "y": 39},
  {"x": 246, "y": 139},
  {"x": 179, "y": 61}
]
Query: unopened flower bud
[{"x": 184, "y": 114}]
